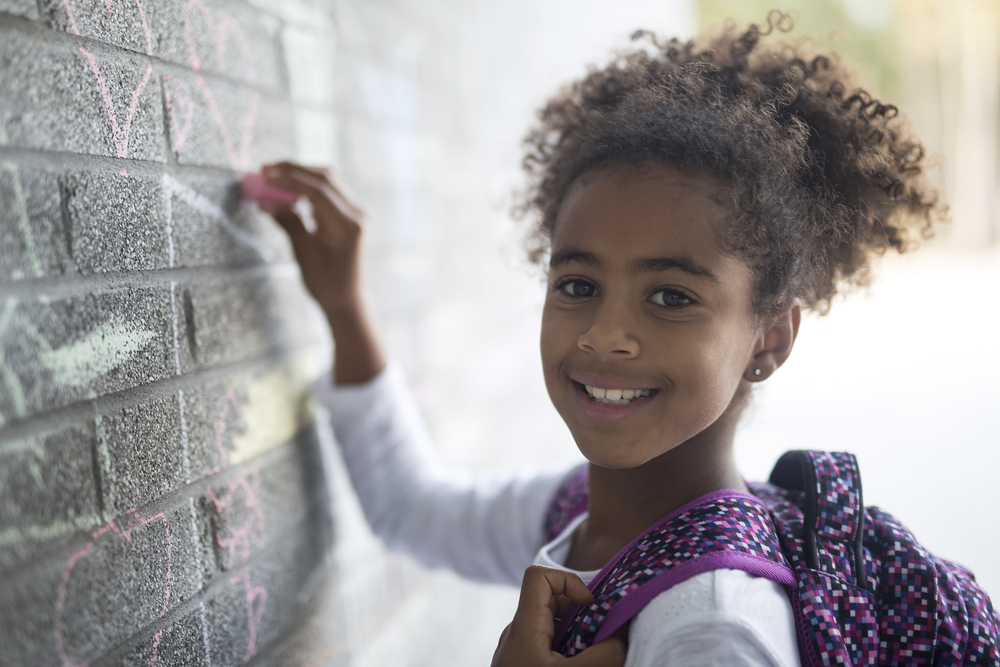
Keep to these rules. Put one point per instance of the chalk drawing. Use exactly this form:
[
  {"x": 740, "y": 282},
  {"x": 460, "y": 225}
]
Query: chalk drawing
[
  {"x": 97, "y": 352},
  {"x": 120, "y": 134},
  {"x": 180, "y": 130},
  {"x": 253, "y": 614},
  {"x": 237, "y": 540},
  {"x": 23, "y": 223},
  {"x": 198, "y": 202},
  {"x": 135, "y": 518},
  {"x": 239, "y": 156},
  {"x": 15, "y": 390}
]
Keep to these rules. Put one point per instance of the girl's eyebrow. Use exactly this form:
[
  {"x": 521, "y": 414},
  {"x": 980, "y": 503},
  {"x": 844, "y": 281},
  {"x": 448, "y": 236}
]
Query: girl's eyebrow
[{"x": 683, "y": 263}]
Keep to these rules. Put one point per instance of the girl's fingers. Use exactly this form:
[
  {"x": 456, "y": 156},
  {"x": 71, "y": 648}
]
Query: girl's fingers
[
  {"x": 290, "y": 220},
  {"x": 319, "y": 185}
]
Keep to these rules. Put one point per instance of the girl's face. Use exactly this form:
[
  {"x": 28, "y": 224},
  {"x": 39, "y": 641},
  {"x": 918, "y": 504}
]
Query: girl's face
[{"x": 648, "y": 326}]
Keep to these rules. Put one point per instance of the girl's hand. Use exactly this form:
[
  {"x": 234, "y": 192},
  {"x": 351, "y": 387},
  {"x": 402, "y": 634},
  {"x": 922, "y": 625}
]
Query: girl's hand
[
  {"x": 545, "y": 595},
  {"x": 330, "y": 260}
]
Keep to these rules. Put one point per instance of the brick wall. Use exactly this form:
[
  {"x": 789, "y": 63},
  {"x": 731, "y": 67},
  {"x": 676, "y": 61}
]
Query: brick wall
[
  {"x": 161, "y": 490},
  {"x": 167, "y": 495}
]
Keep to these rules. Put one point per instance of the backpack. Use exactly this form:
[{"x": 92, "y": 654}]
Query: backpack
[{"x": 863, "y": 590}]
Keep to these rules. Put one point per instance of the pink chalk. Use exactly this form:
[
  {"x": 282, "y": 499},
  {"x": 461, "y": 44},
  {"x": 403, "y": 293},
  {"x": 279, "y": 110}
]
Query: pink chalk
[{"x": 257, "y": 188}]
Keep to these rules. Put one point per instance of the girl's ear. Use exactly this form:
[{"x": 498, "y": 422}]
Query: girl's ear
[{"x": 775, "y": 344}]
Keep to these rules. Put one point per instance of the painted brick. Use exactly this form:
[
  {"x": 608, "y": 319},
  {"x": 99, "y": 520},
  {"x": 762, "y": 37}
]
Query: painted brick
[
  {"x": 31, "y": 230},
  {"x": 181, "y": 644},
  {"x": 212, "y": 226},
  {"x": 62, "y": 351},
  {"x": 50, "y": 99},
  {"x": 115, "y": 222},
  {"x": 310, "y": 55},
  {"x": 141, "y": 453},
  {"x": 314, "y": 13},
  {"x": 26, "y": 8},
  {"x": 47, "y": 492},
  {"x": 216, "y": 123},
  {"x": 95, "y": 595}
]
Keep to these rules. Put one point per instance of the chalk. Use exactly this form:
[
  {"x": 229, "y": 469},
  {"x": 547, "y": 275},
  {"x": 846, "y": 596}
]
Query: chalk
[{"x": 257, "y": 188}]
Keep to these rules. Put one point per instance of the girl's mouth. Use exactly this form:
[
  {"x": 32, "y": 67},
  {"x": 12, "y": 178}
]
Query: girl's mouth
[{"x": 614, "y": 396}]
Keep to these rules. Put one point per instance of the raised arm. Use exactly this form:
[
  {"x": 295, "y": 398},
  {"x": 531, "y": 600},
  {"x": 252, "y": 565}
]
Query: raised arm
[{"x": 330, "y": 260}]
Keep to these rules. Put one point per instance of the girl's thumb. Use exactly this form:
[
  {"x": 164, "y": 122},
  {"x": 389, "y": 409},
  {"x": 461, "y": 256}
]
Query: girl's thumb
[{"x": 609, "y": 653}]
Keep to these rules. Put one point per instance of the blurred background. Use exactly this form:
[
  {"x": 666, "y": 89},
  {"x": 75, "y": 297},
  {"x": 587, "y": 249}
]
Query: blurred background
[{"x": 435, "y": 98}]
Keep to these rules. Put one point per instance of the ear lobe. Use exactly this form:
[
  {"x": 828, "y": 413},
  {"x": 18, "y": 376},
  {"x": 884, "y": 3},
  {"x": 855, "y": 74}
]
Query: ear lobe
[{"x": 776, "y": 344}]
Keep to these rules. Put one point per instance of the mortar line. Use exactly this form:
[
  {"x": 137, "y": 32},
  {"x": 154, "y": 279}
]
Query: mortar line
[{"x": 82, "y": 285}]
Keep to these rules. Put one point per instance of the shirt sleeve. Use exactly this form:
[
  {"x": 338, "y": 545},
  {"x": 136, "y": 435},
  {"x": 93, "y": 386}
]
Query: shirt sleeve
[
  {"x": 484, "y": 527},
  {"x": 722, "y": 618}
]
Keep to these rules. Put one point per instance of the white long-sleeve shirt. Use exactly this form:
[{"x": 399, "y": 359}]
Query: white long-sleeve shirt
[{"x": 490, "y": 528}]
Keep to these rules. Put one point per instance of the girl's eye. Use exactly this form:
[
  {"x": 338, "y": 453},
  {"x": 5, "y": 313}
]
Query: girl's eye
[
  {"x": 670, "y": 299},
  {"x": 577, "y": 288}
]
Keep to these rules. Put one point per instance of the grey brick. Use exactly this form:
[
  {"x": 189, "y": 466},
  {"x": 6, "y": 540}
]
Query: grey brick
[
  {"x": 217, "y": 123},
  {"x": 320, "y": 638},
  {"x": 50, "y": 100},
  {"x": 227, "y": 38},
  {"x": 127, "y": 24},
  {"x": 181, "y": 644},
  {"x": 240, "y": 320},
  {"x": 142, "y": 453},
  {"x": 25, "y": 8},
  {"x": 56, "y": 352},
  {"x": 47, "y": 492},
  {"x": 115, "y": 222},
  {"x": 247, "y": 36},
  {"x": 260, "y": 601},
  {"x": 256, "y": 505},
  {"x": 98, "y": 593},
  {"x": 213, "y": 418},
  {"x": 32, "y": 242},
  {"x": 212, "y": 226}
]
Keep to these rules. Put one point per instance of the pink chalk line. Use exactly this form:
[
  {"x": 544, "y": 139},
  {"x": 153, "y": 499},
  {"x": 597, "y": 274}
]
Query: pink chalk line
[
  {"x": 239, "y": 157},
  {"x": 187, "y": 106},
  {"x": 120, "y": 135},
  {"x": 110, "y": 527},
  {"x": 253, "y": 615},
  {"x": 253, "y": 528}
]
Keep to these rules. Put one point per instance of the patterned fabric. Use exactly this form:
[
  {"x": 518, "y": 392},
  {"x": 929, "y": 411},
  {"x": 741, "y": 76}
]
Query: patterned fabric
[
  {"x": 734, "y": 528},
  {"x": 568, "y": 502},
  {"x": 864, "y": 592}
]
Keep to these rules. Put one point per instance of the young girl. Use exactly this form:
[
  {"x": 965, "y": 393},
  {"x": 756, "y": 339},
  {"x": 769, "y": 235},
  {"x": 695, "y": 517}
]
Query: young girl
[{"x": 691, "y": 200}]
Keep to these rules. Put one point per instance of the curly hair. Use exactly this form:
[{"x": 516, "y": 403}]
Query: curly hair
[{"x": 817, "y": 175}]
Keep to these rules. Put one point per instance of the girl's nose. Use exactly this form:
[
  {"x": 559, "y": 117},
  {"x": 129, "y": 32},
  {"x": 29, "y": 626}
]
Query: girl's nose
[{"x": 610, "y": 334}]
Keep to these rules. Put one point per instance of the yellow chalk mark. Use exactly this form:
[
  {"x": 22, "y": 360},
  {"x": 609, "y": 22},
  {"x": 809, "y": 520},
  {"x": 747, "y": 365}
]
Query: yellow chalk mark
[{"x": 276, "y": 407}]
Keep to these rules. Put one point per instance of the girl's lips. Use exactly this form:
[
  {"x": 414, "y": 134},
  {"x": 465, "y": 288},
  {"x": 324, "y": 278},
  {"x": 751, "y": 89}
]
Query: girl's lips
[{"x": 609, "y": 411}]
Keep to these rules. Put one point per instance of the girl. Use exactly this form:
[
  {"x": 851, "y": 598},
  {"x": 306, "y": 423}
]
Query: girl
[{"x": 691, "y": 202}]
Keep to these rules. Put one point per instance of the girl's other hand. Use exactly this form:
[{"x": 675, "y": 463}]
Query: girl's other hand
[
  {"x": 527, "y": 642},
  {"x": 330, "y": 260}
]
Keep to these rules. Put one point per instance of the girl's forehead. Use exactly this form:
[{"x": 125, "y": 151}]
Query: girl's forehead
[{"x": 641, "y": 208}]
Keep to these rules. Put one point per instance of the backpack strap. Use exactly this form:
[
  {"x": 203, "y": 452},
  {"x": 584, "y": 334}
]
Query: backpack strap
[
  {"x": 570, "y": 499},
  {"x": 833, "y": 509}
]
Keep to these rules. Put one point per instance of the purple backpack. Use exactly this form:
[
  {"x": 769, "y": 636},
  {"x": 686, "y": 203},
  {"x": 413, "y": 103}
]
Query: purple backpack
[{"x": 863, "y": 590}]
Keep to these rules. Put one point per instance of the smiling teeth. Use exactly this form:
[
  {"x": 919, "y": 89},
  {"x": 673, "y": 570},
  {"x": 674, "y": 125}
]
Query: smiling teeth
[{"x": 615, "y": 396}]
